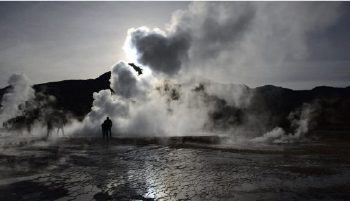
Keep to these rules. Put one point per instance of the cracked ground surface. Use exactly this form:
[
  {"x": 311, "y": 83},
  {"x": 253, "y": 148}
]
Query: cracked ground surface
[{"x": 100, "y": 171}]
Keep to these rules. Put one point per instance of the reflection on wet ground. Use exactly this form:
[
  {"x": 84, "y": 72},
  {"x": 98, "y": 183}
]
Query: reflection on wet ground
[{"x": 100, "y": 171}]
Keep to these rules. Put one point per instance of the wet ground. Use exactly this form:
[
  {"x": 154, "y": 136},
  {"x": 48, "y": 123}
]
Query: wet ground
[{"x": 79, "y": 169}]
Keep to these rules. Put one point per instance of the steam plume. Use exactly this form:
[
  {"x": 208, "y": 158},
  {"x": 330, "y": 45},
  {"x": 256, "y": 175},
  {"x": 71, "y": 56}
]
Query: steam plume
[
  {"x": 300, "y": 122},
  {"x": 20, "y": 92},
  {"x": 245, "y": 42},
  {"x": 147, "y": 105},
  {"x": 241, "y": 42}
]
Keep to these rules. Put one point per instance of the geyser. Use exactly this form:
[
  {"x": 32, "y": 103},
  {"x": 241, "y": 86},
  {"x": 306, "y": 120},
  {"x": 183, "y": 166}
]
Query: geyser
[
  {"x": 207, "y": 44},
  {"x": 20, "y": 91}
]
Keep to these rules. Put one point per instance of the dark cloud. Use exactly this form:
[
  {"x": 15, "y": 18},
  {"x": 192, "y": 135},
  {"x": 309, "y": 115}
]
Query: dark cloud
[
  {"x": 162, "y": 53},
  {"x": 253, "y": 43}
]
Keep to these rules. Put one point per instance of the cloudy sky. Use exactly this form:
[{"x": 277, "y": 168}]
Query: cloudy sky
[{"x": 295, "y": 45}]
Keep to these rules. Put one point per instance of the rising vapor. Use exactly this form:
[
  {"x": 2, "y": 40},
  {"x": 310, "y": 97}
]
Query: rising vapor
[
  {"x": 20, "y": 91},
  {"x": 178, "y": 91},
  {"x": 207, "y": 44},
  {"x": 241, "y": 42},
  {"x": 300, "y": 123}
]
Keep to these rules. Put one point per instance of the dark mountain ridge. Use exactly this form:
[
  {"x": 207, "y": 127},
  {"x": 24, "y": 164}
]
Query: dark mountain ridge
[
  {"x": 74, "y": 96},
  {"x": 268, "y": 102}
]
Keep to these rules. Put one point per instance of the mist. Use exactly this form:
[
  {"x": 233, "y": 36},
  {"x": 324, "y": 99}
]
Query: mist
[
  {"x": 300, "y": 123},
  {"x": 196, "y": 110},
  {"x": 251, "y": 43},
  {"x": 201, "y": 48},
  {"x": 25, "y": 113},
  {"x": 195, "y": 71},
  {"x": 20, "y": 91}
]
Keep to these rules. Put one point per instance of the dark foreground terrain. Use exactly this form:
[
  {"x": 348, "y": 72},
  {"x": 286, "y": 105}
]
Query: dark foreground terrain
[{"x": 91, "y": 169}]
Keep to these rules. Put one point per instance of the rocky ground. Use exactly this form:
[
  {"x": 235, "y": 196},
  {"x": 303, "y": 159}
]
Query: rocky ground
[{"x": 80, "y": 169}]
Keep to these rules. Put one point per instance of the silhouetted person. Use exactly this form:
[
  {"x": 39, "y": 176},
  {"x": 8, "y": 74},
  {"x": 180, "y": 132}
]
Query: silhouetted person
[
  {"x": 107, "y": 129},
  {"x": 108, "y": 123}
]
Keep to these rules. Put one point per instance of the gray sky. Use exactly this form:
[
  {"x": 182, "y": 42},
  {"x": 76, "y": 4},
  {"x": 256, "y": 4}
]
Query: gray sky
[{"x": 51, "y": 41}]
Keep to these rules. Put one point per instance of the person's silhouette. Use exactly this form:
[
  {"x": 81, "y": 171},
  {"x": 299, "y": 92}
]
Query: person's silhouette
[{"x": 107, "y": 128}]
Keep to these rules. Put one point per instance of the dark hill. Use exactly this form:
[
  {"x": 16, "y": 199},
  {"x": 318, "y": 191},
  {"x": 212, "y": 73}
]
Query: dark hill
[
  {"x": 272, "y": 101},
  {"x": 333, "y": 105},
  {"x": 73, "y": 95}
]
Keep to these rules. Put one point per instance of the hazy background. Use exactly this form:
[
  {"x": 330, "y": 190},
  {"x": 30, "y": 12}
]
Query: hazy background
[{"x": 51, "y": 41}]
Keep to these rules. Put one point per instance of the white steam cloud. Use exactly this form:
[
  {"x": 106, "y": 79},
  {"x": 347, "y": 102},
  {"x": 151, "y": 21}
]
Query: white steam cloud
[
  {"x": 145, "y": 105},
  {"x": 21, "y": 91},
  {"x": 300, "y": 121},
  {"x": 240, "y": 42},
  {"x": 23, "y": 111}
]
